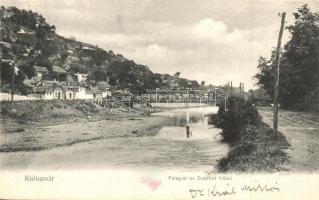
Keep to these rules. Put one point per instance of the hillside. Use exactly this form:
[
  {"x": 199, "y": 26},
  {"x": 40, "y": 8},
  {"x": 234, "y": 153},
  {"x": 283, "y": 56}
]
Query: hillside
[{"x": 29, "y": 40}]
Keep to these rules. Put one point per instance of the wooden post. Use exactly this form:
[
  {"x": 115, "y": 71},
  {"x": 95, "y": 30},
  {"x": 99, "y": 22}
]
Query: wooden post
[
  {"x": 231, "y": 88},
  {"x": 225, "y": 104},
  {"x": 240, "y": 90},
  {"x": 215, "y": 97},
  {"x": 12, "y": 84},
  {"x": 277, "y": 63},
  {"x": 243, "y": 90}
]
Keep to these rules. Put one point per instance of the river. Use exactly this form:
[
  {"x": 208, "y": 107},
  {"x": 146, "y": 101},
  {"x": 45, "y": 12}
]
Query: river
[{"x": 169, "y": 149}]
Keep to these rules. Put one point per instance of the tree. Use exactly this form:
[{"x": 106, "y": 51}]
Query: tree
[
  {"x": 265, "y": 77},
  {"x": 299, "y": 64},
  {"x": 300, "y": 68}
]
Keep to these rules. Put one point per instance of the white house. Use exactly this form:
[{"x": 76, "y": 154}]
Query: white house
[
  {"x": 76, "y": 92},
  {"x": 21, "y": 31},
  {"x": 81, "y": 77},
  {"x": 80, "y": 93},
  {"x": 47, "y": 92}
]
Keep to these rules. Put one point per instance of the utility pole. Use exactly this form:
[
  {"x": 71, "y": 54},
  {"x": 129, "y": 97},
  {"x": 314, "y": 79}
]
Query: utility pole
[
  {"x": 240, "y": 90},
  {"x": 231, "y": 88},
  {"x": 215, "y": 97},
  {"x": 156, "y": 98},
  {"x": 243, "y": 90},
  {"x": 12, "y": 84},
  {"x": 277, "y": 63},
  {"x": 225, "y": 104}
]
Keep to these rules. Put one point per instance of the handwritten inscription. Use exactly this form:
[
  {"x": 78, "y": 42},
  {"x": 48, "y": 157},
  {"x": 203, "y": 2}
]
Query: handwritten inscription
[{"x": 232, "y": 190}]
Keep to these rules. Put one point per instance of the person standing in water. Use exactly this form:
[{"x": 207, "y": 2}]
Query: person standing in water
[{"x": 188, "y": 133}]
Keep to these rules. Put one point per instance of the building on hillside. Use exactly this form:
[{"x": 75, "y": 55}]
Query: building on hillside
[
  {"x": 40, "y": 72},
  {"x": 88, "y": 48},
  {"x": 47, "y": 92},
  {"x": 170, "y": 81},
  {"x": 173, "y": 82},
  {"x": 5, "y": 44},
  {"x": 77, "y": 92},
  {"x": 25, "y": 31},
  {"x": 58, "y": 73},
  {"x": 102, "y": 89},
  {"x": 74, "y": 59},
  {"x": 122, "y": 94},
  {"x": 81, "y": 93},
  {"x": 161, "y": 95},
  {"x": 81, "y": 78},
  {"x": 68, "y": 92},
  {"x": 21, "y": 31},
  {"x": 8, "y": 13}
]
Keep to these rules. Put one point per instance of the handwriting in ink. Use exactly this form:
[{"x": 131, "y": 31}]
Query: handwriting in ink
[
  {"x": 260, "y": 188},
  {"x": 214, "y": 192},
  {"x": 195, "y": 192}
]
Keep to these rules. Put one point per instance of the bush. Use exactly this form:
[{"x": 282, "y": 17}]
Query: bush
[
  {"x": 240, "y": 114},
  {"x": 254, "y": 145}
]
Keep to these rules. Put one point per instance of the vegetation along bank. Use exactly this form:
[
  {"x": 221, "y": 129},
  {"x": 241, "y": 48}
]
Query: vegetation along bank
[{"x": 254, "y": 146}]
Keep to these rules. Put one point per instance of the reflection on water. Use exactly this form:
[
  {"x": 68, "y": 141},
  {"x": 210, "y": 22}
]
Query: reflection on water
[
  {"x": 192, "y": 116},
  {"x": 205, "y": 141},
  {"x": 195, "y": 118}
]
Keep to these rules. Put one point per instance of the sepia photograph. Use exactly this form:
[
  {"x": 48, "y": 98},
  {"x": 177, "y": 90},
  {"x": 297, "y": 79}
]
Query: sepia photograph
[{"x": 159, "y": 99}]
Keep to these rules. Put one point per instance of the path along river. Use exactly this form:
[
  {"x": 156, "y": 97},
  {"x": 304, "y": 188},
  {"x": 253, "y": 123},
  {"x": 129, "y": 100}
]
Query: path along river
[{"x": 169, "y": 149}]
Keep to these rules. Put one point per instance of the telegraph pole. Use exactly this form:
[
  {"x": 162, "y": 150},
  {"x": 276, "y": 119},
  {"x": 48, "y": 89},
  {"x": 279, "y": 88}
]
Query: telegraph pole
[
  {"x": 215, "y": 97},
  {"x": 277, "y": 70},
  {"x": 243, "y": 91},
  {"x": 231, "y": 88},
  {"x": 240, "y": 89},
  {"x": 13, "y": 80}
]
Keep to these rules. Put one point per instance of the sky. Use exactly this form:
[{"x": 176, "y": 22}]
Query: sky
[{"x": 215, "y": 41}]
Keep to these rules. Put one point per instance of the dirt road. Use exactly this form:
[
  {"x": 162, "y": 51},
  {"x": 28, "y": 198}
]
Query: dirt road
[{"x": 302, "y": 133}]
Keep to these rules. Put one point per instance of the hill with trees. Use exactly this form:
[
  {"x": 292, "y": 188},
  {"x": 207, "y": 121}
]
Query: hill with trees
[{"x": 29, "y": 40}]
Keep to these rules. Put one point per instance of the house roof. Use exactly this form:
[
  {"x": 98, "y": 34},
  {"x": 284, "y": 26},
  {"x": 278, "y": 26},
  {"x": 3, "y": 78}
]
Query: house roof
[
  {"x": 21, "y": 31},
  {"x": 44, "y": 88},
  {"x": 103, "y": 84},
  {"x": 40, "y": 69},
  {"x": 58, "y": 69},
  {"x": 71, "y": 88}
]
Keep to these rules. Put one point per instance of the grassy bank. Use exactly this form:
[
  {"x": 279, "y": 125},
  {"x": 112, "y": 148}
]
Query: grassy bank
[
  {"x": 38, "y": 125},
  {"x": 53, "y": 110},
  {"x": 32, "y": 138},
  {"x": 254, "y": 146}
]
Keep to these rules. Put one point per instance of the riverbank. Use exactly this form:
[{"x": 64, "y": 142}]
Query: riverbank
[
  {"x": 254, "y": 146},
  {"x": 32, "y": 138},
  {"x": 54, "y": 111},
  {"x": 139, "y": 143},
  {"x": 301, "y": 130},
  {"x": 38, "y": 125},
  {"x": 258, "y": 151}
]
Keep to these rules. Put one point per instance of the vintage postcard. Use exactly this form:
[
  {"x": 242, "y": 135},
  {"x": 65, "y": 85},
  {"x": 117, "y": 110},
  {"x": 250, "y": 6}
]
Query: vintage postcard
[{"x": 159, "y": 99}]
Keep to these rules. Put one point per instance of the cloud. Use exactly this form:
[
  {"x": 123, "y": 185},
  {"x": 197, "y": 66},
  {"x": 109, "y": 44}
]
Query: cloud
[
  {"x": 209, "y": 28},
  {"x": 215, "y": 41},
  {"x": 204, "y": 50}
]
